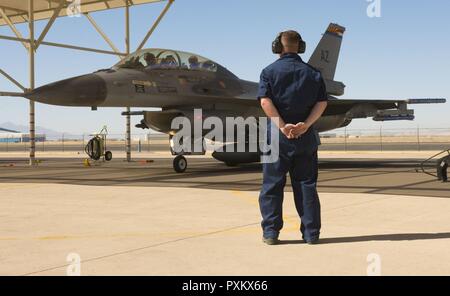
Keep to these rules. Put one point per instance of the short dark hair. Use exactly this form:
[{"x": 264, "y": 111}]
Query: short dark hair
[
  {"x": 193, "y": 59},
  {"x": 292, "y": 38}
]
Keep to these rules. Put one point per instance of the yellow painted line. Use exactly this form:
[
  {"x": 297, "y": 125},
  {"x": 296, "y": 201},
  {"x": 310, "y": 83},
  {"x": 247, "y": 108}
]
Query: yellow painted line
[
  {"x": 175, "y": 234},
  {"x": 72, "y": 237}
]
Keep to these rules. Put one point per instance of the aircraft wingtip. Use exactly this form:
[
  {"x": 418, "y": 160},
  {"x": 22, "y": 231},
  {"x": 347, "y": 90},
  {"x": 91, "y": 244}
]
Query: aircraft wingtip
[{"x": 428, "y": 101}]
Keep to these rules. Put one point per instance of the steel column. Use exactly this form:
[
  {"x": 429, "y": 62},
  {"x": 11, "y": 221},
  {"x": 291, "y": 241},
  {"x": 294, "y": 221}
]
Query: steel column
[
  {"x": 128, "y": 109},
  {"x": 31, "y": 55}
]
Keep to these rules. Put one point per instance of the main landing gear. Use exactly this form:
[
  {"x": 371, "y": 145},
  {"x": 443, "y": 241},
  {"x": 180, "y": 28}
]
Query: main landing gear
[{"x": 441, "y": 165}]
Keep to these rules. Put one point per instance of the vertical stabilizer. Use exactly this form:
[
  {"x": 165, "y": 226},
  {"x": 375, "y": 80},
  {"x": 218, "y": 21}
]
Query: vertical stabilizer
[{"x": 326, "y": 54}]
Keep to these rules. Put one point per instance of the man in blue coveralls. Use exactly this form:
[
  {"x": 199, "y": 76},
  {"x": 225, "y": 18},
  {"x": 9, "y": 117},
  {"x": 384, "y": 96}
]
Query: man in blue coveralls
[{"x": 293, "y": 95}]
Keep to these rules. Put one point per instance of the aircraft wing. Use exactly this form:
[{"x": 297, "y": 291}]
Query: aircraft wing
[{"x": 380, "y": 110}]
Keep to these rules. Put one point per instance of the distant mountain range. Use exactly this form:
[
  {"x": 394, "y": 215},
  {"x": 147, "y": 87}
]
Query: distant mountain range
[{"x": 49, "y": 133}]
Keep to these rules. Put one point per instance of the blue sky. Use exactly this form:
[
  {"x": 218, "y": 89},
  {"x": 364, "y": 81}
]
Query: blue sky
[{"x": 402, "y": 54}]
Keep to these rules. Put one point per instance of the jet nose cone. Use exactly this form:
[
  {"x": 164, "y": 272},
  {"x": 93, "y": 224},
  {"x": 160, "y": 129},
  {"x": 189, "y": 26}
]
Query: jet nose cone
[{"x": 87, "y": 90}]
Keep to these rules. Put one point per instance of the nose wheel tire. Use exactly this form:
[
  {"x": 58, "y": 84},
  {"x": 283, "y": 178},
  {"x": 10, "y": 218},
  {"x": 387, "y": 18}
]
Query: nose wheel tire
[
  {"x": 180, "y": 164},
  {"x": 108, "y": 156}
]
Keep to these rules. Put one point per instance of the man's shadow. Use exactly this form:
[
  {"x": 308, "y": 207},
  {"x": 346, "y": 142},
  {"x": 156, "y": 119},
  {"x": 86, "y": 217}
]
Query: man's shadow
[{"x": 380, "y": 237}]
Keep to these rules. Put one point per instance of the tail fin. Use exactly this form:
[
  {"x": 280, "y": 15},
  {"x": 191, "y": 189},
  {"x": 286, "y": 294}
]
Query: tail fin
[{"x": 326, "y": 54}]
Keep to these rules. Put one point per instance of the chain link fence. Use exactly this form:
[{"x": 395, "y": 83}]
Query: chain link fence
[
  {"x": 77, "y": 143},
  {"x": 420, "y": 139}
]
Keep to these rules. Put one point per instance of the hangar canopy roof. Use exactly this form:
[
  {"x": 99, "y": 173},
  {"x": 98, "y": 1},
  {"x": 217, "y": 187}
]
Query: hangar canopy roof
[
  {"x": 17, "y": 10},
  {"x": 7, "y": 130}
]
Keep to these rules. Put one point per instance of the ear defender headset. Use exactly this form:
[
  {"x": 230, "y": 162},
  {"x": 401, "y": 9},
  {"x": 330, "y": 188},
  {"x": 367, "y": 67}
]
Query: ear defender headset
[{"x": 277, "y": 46}]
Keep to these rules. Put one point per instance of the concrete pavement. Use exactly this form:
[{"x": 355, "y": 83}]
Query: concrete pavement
[{"x": 177, "y": 231}]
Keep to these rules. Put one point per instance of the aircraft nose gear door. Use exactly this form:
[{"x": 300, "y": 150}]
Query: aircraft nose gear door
[{"x": 180, "y": 162}]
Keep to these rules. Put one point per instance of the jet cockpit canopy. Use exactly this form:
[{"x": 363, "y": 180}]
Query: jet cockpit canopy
[{"x": 166, "y": 59}]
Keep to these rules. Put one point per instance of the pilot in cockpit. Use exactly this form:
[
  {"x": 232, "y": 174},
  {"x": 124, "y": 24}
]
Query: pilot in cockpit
[
  {"x": 169, "y": 62},
  {"x": 193, "y": 63},
  {"x": 150, "y": 60},
  {"x": 208, "y": 66}
]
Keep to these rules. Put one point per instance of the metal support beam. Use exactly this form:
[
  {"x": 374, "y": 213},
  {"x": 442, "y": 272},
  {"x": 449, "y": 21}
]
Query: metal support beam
[
  {"x": 82, "y": 48},
  {"x": 101, "y": 32},
  {"x": 61, "y": 45},
  {"x": 12, "y": 80},
  {"x": 49, "y": 24},
  {"x": 32, "y": 82},
  {"x": 127, "y": 49},
  {"x": 155, "y": 25},
  {"x": 9, "y": 38},
  {"x": 12, "y": 26},
  {"x": 11, "y": 94}
]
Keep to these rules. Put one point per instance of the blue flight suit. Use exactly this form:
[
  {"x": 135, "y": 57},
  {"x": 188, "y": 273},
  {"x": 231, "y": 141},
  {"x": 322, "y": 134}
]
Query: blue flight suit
[{"x": 294, "y": 88}]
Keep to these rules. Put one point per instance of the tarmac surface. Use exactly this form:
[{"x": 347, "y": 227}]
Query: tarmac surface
[{"x": 141, "y": 218}]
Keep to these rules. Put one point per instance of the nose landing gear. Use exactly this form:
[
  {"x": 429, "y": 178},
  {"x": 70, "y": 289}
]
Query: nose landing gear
[{"x": 180, "y": 164}]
